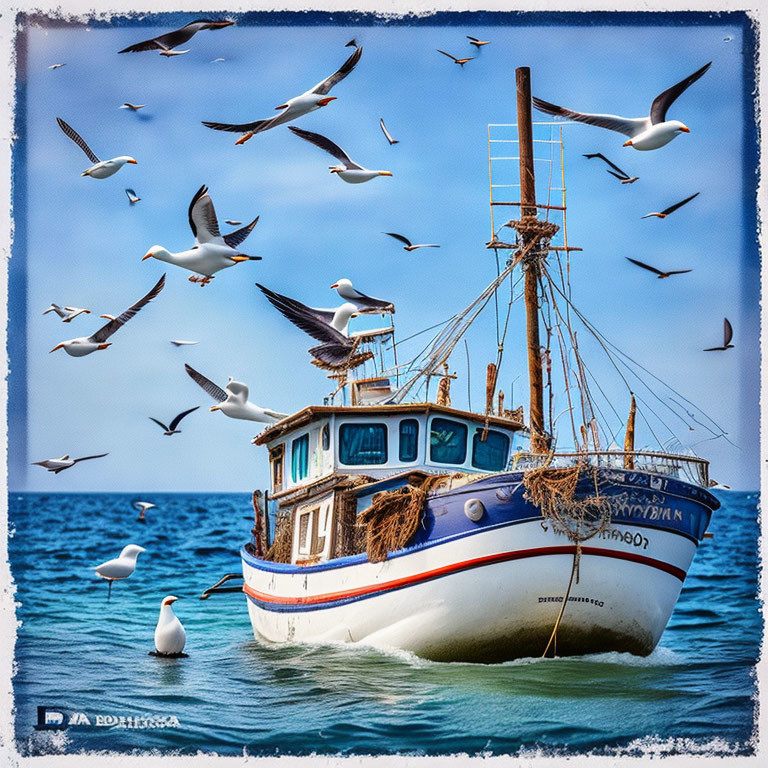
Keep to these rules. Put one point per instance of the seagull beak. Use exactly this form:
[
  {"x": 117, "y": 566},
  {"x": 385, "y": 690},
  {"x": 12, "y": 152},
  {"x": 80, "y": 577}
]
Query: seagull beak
[
  {"x": 239, "y": 258},
  {"x": 335, "y": 285},
  {"x": 627, "y": 143},
  {"x": 214, "y": 408},
  {"x": 685, "y": 129},
  {"x": 132, "y": 161},
  {"x": 58, "y": 346},
  {"x": 326, "y": 100},
  {"x": 385, "y": 173},
  {"x": 148, "y": 256},
  {"x": 104, "y": 346}
]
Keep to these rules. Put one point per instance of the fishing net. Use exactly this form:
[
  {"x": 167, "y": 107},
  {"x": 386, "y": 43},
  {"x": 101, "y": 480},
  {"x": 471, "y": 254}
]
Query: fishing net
[{"x": 280, "y": 551}]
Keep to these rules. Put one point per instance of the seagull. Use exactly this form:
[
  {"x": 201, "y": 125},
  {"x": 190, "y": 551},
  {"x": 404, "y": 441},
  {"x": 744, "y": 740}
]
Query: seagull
[
  {"x": 331, "y": 327},
  {"x": 142, "y": 506},
  {"x": 101, "y": 169},
  {"x": 233, "y": 400},
  {"x": 457, "y": 61},
  {"x": 211, "y": 252},
  {"x": 64, "y": 462},
  {"x": 661, "y": 275},
  {"x": 181, "y": 343},
  {"x": 386, "y": 132},
  {"x": 623, "y": 177},
  {"x": 366, "y": 305},
  {"x": 409, "y": 246},
  {"x": 67, "y": 314},
  {"x": 477, "y": 43},
  {"x": 645, "y": 133},
  {"x": 727, "y": 336},
  {"x": 663, "y": 214},
  {"x": 217, "y": 60},
  {"x": 56, "y": 66},
  {"x": 348, "y": 170},
  {"x": 293, "y": 108},
  {"x": 164, "y": 43},
  {"x": 170, "y": 636},
  {"x": 86, "y": 344},
  {"x": 132, "y": 196},
  {"x": 171, "y": 428},
  {"x": 132, "y": 107},
  {"x": 233, "y": 222},
  {"x": 121, "y": 567},
  {"x": 352, "y": 44}
]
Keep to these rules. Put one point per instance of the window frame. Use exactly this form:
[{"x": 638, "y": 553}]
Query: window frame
[
  {"x": 305, "y": 475},
  {"x": 466, "y": 440},
  {"x": 356, "y": 424},
  {"x": 400, "y": 441},
  {"x": 476, "y": 436}
]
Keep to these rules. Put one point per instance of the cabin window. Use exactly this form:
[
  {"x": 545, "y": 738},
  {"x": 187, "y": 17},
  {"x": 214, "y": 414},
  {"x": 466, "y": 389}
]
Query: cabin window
[
  {"x": 310, "y": 539},
  {"x": 326, "y": 437},
  {"x": 491, "y": 454},
  {"x": 300, "y": 458},
  {"x": 409, "y": 439},
  {"x": 363, "y": 444},
  {"x": 448, "y": 441},
  {"x": 276, "y": 456}
]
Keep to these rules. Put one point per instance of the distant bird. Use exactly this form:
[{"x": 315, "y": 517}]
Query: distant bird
[
  {"x": 727, "y": 337},
  {"x": 164, "y": 43},
  {"x": 108, "y": 317},
  {"x": 181, "y": 343},
  {"x": 232, "y": 222},
  {"x": 347, "y": 170},
  {"x": 457, "y": 61},
  {"x": 101, "y": 169},
  {"x": 294, "y": 108},
  {"x": 366, "y": 305},
  {"x": 64, "y": 462},
  {"x": 645, "y": 133},
  {"x": 170, "y": 637},
  {"x": 351, "y": 44},
  {"x": 663, "y": 214},
  {"x": 409, "y": 246},
  {"x": 387, "y": 133},
  {"x": 211, "y": 252},
  {"x": 661, "y": 275},
  {"x": 233, "y": 400},
  {"x": 56, "y": 66},
  {"x": 171, "y": 428},
  {"x": 121, "y": 567},
  {"x": 217, "y": 60},
  {"x": 477, "y": 43},
  {"x": 132, "y": 107},
  {"x": 132, "y": 198},
  {"x": 337, "y": 349},
  {"x": 86, "y": 344},
  {"x": 67, "y": 314},
  {"x": 623, "y": 177},
  {"x": 142, "y": 506}
]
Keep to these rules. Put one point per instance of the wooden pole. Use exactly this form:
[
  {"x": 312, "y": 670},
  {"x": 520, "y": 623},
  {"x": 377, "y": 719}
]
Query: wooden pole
[
  {"x": 629, "y": 439},
  {"x": 528, "y": 209},
  {"x": 490, "y": 387}
]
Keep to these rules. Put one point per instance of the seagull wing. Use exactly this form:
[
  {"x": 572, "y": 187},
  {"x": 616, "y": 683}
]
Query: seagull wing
[
  {"x": 202, "y": 218},
  {"x": 727, "y": 332},
  {"x": 216, "y": 392},
  {"x": 324, "y": 86},
  {"x": 131, "y": 194},
  {"x": 175, "y": 422},
  {"x": 256, "y": 127},
  {"x": 168, "y": 40},
  {"x": 446, "y": 54},
  {"x": 629, "y": 126},
  {"x": 326, "y": 144},
  {"x": 664, "y": 100},
  {"x": 78, "y": 139},
  {"x": 386, "y": 132},
  {"x": 371, "y": 305},
  {"x": 332, "y": 354},
  {"x": 645, "y": 266},
  {"x": 678, "y": 205},
  {"x": 159, "y": 424},
  {"x": 400, "y": 238},
  {"x": 113, "y": 325},
  {"x": 233, "y": 239},
  {"x": 606, "y": 160},
  {"x": 473, "y": 39},
  {"x": 621, "y": 176},
  {"x": 86, "y": 458},
  {"x": 679, "y": 271}
]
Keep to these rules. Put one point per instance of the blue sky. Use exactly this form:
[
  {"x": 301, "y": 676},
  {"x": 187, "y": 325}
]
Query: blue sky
[{"x": 84, "y": 242}]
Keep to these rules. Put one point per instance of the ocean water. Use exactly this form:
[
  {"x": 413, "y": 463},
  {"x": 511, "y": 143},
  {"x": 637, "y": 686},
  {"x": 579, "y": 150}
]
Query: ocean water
[{"x": 78, "y": 652}]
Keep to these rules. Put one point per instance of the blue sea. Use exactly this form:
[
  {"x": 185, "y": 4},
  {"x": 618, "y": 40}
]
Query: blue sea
[{"x": 78, "y": 653}]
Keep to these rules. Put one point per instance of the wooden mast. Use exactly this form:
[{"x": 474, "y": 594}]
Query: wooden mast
[
  {"x": 532, "y": 273},
  {"x": 629, "y": 438}
]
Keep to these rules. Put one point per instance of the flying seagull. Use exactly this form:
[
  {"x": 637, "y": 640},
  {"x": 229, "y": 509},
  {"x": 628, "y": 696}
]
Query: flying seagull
[
  {"x": 663, "y": 214},
  {"x": 387, "y": 133},
  {"x": 233, "y": 400},
  {"x": 296, "y": 107},
  {"x": 56, "y": 66},
  {"x": 170, "y": 637},
  {"x": 86, "y": 344},
  {"x": 366, "y": 305},
  {"x": 409, "y": 246},
  {"x": 121, "y": 567},
  {"x": 351, "y": 44},
  {"x": 132, "y": 107},
  {"x": 457, "y": 61},
  {"x": 64, "y": 462},
  {"x": 181, "y": 343},
  {"x": 132, "y": 198},
  {"x": 101, "y": 169},
  {"x": 171, "y": 428},
  {"x": 661, "y": 275},
  {"x": 165, "y": 43},
  {"x": 233, "y": 222},
  {"x": 67, "y": 314},
  {"x": 645, "y": 133},
  {"x": 477, "y": 43},
  {"x": 727, "y": 337},
  {"x": 347, "y": 170},
  {"x": 623, "y": 177},
  {"x": 212, "y": 251}
]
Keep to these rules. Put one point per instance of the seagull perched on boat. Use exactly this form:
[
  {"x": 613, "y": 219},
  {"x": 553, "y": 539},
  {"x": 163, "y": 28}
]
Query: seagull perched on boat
[
  {"x": 86, "y": 344},
  {"x": 171, "y": 428},
  {"x": 457, "y": 61},
  {"x": 121, "y": 567},
  {"x": 132, "y": 107},
  {"x": 727, "y": 337},
  {"x": 294, "y": 108},
  {"x": 165, "y": 43},
  {"x": 387, "y": 133},
  {"x": 211, "y": 252},
  {"x": 409, "y": 246},
  {"x": 623, "y": 177},
  {"x": 64, "y": 462},
  {"x": 661, "y": 275},
  {"x": 67, "y": 314},
  {"x": 366, "y": 305},
  {"x": 170, "y": 637},
  {"x": 477, "y": 43},
  {"x": 663, "y": 214},
  {"x": 645, "y": 133},
  {"x": 101, "y": 169},
  {"x": 132, "y": 198},
  {"x": 348, "y": 170},
  {"x": 331, "y": 327},
  {"x": 233, "y": 400}
]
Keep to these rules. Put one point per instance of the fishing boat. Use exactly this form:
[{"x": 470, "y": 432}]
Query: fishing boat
[{"x": 471, "y": 536}]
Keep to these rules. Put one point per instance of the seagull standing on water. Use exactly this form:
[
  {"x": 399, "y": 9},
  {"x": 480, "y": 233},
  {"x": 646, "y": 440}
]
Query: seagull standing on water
[
  {"x": 366, "y": 305},
  {"x": 67, "y": 314},
  {"x": 645, "y": 133},
  {"x": 211, "y": 252},
  {"x": 164, "y": 43},
  {"x": 170, "y": 637},
  {"x": 121, "y": 567},
  {"x": 663, "y": 214},
  {"x": 64, "y": 462},
  {"x": 101, "y": 169}
]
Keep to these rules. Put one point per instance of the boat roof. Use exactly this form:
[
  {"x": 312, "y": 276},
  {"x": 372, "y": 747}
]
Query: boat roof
[{"x": 312, "y": 412}]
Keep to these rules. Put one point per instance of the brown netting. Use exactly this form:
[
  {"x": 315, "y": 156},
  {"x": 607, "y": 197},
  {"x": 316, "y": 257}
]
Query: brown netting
[{"x": 280, "y": 551}]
